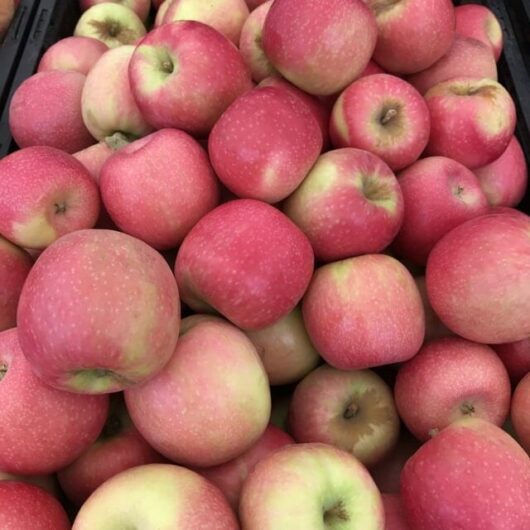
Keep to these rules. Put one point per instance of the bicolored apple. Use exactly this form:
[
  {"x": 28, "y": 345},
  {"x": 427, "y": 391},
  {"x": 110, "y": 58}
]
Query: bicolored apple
[{"x": 140, "y": 7}]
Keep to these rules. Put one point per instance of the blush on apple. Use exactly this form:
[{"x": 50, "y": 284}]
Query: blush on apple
[
  {"x": 519, "y": 412},
  {"x": 516, "y": 357}
]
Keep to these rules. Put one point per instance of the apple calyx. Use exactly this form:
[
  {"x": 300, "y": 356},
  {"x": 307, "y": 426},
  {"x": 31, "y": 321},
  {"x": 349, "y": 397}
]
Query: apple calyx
[
  {"x": 467, "y": 408},
  {"x": 60, "y": 208},
  {"x": 3, "y": 370},
  {"x": 113, "y": 29},
  {"x": 351, "y": 411},
  {"x": 336, "y": 514}
]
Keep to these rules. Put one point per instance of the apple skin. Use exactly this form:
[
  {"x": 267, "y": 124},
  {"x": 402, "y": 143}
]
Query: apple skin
[
  {"x": 140, "y": 7},
  {"x": 413, "y": 34},
  {"x": 43, "y": 429},
  {"x": 253, "y": 4},
  {"x": 185, "y": 74},
  {"x": 372, "y": 68},
  {"x": 505, "y": 180},
  {"x": 27, "y": 506},
  {"x": 267, "y": 264},
  {"x": 283, "y": 136},
  {"x": 471, "y": 475},
  {"x": 79, "y": 321},
  {"x": 353, "y": 411},
  {"x": 220, "y": 360},
  {"x": 183, "y": 500},
  {"x": 475, "y": 295},
  {"x": 159, "y": 211},
  {"x": 472, "y": 120},
  {"x": 301, "y": 485},
  {"x": 439, "y": 194},
  {"x": 53, "y": 100},
  {"x": 434, "y": 327},
  {"x": 319, "y": 45},
  {"x": 394, "y": 513},
  {"x": 46, "y": 482},
  {"x": 79, "y": 54},
  {"x": 46, "y": 193},
  {"x": 382, "y": 114},
  {"x": 161, "y": 12},
  {"x": 519, "y": 412},
  {"x": 516, "y": 358},
  {"x": 350, "y": 302},
  {"x": 94, "y": 157}
]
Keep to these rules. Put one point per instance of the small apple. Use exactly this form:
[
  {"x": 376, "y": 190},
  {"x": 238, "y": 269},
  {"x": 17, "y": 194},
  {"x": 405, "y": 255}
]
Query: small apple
[
  {"x": 516, "y": 357},
  {"x": 140, "y": 7},
  {"x": 394, "y": 513},
  {"x": 519, "y": 412}
]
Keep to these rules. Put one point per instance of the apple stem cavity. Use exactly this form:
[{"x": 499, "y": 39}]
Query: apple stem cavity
[
  {"x": 60, "y": 208},
  {"x": 467, "y": 409},
  {"x": 3, "y": 370},
  {"x": 336, "y": 514},
  {"x": 351, "y": 411}
]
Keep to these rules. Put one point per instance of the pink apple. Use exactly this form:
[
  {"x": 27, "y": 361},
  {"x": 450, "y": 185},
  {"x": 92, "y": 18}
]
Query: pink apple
[
  {"x": 519, "y": 412},
  {"x": 516, "y": 357},
  {"x": 382, "y": 114},
  {"x": 353, "y": 411},
  {"x": 95, "y": 156},
  {"x": 264, "y": 144},
  {"x": 7, "y": 12},
  {"x": 372, "y": 68},
  {"x": 140, "y": 7},
  {"x": 478, "y": 278},
  {"x": 46, "y": 482},
  {"x": 99, "y": 312},
  {"x": 319, "y": 46},
  {"x": 46, "y": 193},
  {"x": 434, "y": 327},
  {"x": 185, "y": 74},
  {"x": 413, "y": 34},
  {"x": 349, "y": 204},
  {"x": 471, "y": 475},
  {"x": 472, "y": 120},
  {"x": 439, "y": 194},
  {"x": 214, "y": 363},
  {"x": 505, "y": 180},
  {"x": 267, "y": 264},
  {"x": 394, "y": 513}
]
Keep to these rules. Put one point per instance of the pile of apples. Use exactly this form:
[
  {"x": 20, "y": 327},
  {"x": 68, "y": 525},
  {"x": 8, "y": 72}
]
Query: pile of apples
[{"x": 329, "y": 189}]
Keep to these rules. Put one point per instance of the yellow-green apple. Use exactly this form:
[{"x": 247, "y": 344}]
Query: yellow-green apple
[
  {"x": 478, "y": 22},
  {"x": 472, "y": 475},
  {"x": 46, "y": 110},
  {"x": 140, "y": 7},
  {"x": 226, "y": 16},
  {"x": 156, "y": 497},
  {"x": 158, "y": 187},
  {"x": 264, "y": 144},
  {"x": 99, "y": 312},
  {"x": 7, "y": 12},
  {"x": 466, "y": 58},
  {"x": 185, "y": 74},
  {"x": 382, "y": 114},
  {"x": 111, "y": 23},
  {"x": 26, "y": 506},
  {"x": 478, "y": 278},
  {"x": 349, "y": 204},
  {"x": 450, "y": 378},
  {"x": 439, "y": 194},
  {"x": 520, "y": 412},
  {"x": 285, "y": 349},
  {"x": 46, "y": 193},
  {"x": 72, "y": 53},
  {"x": 310, "y": 486},
  {"x": 320, "y": 46},
  {"x": 351, "y": 410},
  {"x": 434, "y": 327},
  {"x": 246, "y": 260},
  {"x": 363, "y": 312},
  {"x": 394, "y": 513},
  {"x": 516, "y": 357},
  {"x": 229, "y": 477},
  {"x": 505, "y": 180},
  {"x": 43, "y": 429}
]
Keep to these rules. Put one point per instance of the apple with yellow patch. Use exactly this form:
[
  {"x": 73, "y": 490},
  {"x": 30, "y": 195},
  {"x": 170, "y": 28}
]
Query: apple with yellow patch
[{"x": 140, "y": 7}]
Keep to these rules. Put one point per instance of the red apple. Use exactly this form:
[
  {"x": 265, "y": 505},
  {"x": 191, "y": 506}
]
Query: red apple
[
  {"x": 434, "y": 327},
  {"x": 46, "y": 482},
  {"x": 516, "y": 357},
  {"x": 349, "y": 204},
  {"x": 320, "y": 46},
  {"x": 382, "y": 114},
  {"x": 140, "y": 7},
  {"x": 364, "y": 312},
  {"x": 394, "y": 513},
  {"x": 519, "y": 412},
  {"x": 471, "y": 475}
]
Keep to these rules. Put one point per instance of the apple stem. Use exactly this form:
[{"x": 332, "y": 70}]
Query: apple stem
[
  {"x": 389, "y": 115},
  {"x": 3, "y": 370},
  {"x": 351, "y": 411}
]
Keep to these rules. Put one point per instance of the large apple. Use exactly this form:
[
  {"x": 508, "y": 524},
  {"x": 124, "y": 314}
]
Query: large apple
[
  {"x": 520, "y": 412},
  {"x": 112, "y": 320},
  {"x": 516, "y": 357},
  {"x": 140, "y": 7}
]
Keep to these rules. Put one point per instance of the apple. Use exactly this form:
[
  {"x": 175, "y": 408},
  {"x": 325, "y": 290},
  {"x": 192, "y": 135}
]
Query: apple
[
  {"x": 466, "y": 58},
  {"x": 382, "y": 114},
  {"x": 161, "y": 12},
  {"x": 46, "y": 193},
  {"x": 478, "y": 278},
  {"x": 439, "y": 194},
  {"x": 471, "y": 475},
  {"x": 353, "y": 411},
  {"x": 472, "y": 120},
  {"x": 111, "y": 23},
  {"x": 310, "y": 486},
  {"x": 319, "y": 47},
  {"x": 253, "y": 4},
  {"x": 158, "y": 3},
  {"x": 99, "y": 312},
  {"x": 214, "y": 363},
  {"x": 285, "y": 349},
  {"x": 72, "y": 53},
  {"x": 246, "y": 260},
  {"x": 372, "y": 68},
  {"x": 7, "y": 12},
  {"x": 27, "y": 506},
  {"x": 505, "y": 180},
  {"x": 519, "y": 412},
  {"x": 434, "y": 327},
  {"x": 185, "y": 74},
  {"x": 413, "y": 34},
  {"x": 516, "y": 357},
  {"x": 183, "y": 499},
  {"x": 264, "y": 144},
  {"x": 53, "y": 100},
  {"x": 159, "y": 211},
  {"x": 394, "y": 514},
  {"x": 140, "y": 7},
  {"x": 364, "y": 312},
  {"x": 478, "y": 22},
  {"x": 46, "y": 482}
]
